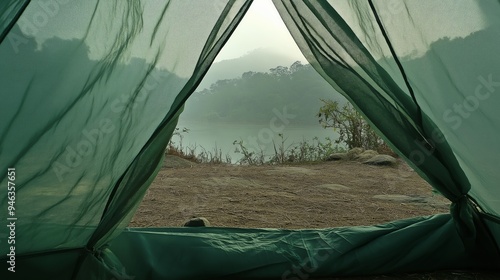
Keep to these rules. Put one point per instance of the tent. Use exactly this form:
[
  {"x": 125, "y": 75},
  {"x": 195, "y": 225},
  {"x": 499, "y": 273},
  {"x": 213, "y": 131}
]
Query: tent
[{"x": 91, "y": 92}]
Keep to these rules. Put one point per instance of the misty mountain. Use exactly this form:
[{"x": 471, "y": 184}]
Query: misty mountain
[
  {"x": 260, "y": 97},
  {"x": 259, "y": 60},
  {"x": 254, "y": 96}
]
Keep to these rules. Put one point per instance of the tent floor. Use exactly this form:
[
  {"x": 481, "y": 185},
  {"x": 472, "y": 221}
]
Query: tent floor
[{"x": 439, "y": 275}]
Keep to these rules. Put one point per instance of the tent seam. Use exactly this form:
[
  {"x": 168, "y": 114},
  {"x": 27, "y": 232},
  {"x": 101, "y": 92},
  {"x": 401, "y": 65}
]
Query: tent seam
[
  {"x": 401, "y": 69},
  {"x": 14, "y": 21}
]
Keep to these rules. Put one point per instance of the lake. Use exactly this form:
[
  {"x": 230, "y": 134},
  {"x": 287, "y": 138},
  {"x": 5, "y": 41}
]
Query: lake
[{"x": 207, "y": 136}]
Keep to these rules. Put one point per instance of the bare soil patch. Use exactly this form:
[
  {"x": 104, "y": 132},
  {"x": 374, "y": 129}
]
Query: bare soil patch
[{"x": 320, "y": 195}]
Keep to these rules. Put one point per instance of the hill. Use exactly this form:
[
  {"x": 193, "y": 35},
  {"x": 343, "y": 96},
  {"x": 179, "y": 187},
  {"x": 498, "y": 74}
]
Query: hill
[
  {"x": 258, "y": 60},
  {"x": 256, "y": 97}
]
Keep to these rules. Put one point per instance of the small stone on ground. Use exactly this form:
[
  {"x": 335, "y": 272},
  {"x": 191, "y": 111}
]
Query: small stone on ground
[
  {"x": 335, "y": 187},
  {"x": 400, "y": 198},
  {"x": 197, "y": 222},
  {"x": 354, "y": 152},
  {"x": 177, "y": 162},
  {"x": 336, "y": 156},
  {"x": 366, "y": 155},
  {"x": 381, "y": 160}
]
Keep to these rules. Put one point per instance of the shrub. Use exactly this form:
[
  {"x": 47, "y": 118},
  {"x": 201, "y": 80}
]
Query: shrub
[
  {"x": 177, "y": 149},
  {"x": 304, "y": 151},
  {"x": 353, "y": 130}
]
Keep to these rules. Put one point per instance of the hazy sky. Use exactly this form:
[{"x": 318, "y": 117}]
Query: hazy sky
[{"x": 261, "y": 27}]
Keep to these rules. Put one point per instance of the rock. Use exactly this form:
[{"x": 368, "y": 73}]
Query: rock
[
  {"x": 334, "y": 187},
  {"x": 336, "y": 156},
  {"x": 197, "y": 222},
  {"x": 292, "y": 170},
  {"x": 381, "y": 160},
  {"x": 172, "y": 161},
  {"x": 366, "y": 155},
  {"x": 352, "y": 153},
  {"x": 401, "y": 198}
]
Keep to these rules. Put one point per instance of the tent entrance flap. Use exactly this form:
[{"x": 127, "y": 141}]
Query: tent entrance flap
[{"x": 92, "y": 90}]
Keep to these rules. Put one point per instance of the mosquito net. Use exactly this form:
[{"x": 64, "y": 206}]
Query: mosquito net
[{"x": 90, "y": 96}]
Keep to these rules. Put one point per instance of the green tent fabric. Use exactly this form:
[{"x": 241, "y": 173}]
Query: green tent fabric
[
  {"x": 91, "y": 94},
  {"x": 92, "y": 91},
  {"x": 430, "y": 243},
  {"x": 10, "y": 12},
  {"x": 370, "y": 73}
]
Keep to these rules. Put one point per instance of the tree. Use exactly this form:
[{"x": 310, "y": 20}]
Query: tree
[
  {"x": 353, "y": 130},
  {"x": 296, "y": 66},
  {"x": 280, "y": 71}
]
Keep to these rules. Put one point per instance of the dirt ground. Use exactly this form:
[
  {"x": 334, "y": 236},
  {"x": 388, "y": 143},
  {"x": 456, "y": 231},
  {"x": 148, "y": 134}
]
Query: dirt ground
[{"x": 321, "y": 195}]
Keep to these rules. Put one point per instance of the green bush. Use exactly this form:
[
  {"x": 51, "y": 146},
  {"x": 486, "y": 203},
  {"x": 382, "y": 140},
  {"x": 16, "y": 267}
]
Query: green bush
[
  {"x": 304, "y": 151},
  {"x": 353, "y": 130}
]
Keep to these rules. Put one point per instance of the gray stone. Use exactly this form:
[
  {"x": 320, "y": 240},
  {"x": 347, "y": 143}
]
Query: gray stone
[
  {"x": 381, "y": 160},
  {"x": 336, "y": 156},
  {"x": 172, "y": 161},
  {"x": 334, "y": 187},
  {"x": 401, "y": 198},
  {"x": 366, "y": 155},
  {"x": 292, "y": 170},
  {"x": 197, "y": 222},
  {"x": 352, "y": 153}
]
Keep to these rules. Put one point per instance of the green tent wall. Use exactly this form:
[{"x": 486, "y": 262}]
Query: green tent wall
[{"x": 91, "y": 93}]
